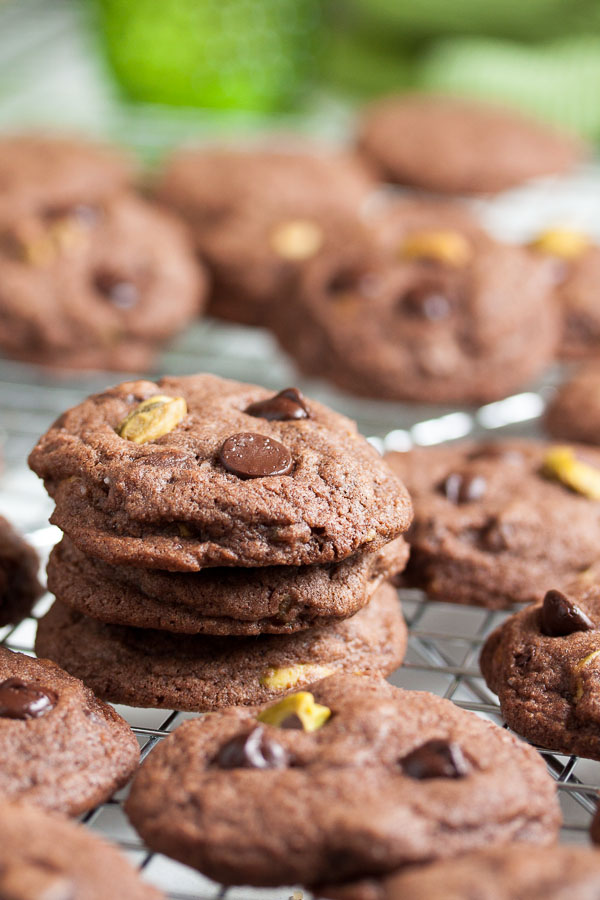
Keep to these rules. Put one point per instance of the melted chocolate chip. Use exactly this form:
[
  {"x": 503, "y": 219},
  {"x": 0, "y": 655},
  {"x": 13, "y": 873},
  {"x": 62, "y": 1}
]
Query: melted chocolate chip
[
  {"x": 496, "y": 451},
  {"x": 436, "y": 759},
  {"x": 460, "y": 488},
  {"x": 19, "y": 700},
  {"x": 84, "y": 213},
  {"x": 427, "y": 302},
  {"x": 560, "y": 616},
  {"x": 293, "y": 722},
  {"x": 287, "y": 404},
  {"x": 250, "y": 455},
  {"x": 122, "y": 293},
  {"x": 359, "y": 282},
  {"x": 253, "y": 750}
]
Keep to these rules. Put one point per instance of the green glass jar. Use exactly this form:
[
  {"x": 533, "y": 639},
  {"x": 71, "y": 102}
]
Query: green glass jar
[{"x": 218, "y": 54}]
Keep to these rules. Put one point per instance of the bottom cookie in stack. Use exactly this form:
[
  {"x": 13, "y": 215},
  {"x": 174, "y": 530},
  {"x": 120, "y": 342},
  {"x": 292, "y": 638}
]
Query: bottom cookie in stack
[{"x": 142, "y": 667}]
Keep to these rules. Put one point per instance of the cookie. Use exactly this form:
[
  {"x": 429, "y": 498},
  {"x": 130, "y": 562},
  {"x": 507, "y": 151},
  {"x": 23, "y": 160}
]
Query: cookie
[
  {"x": 257, "y": 215},
  {"x": 497, "y": 523},
  {"x": 574, "y": 412},
  {"x": 197, "y": 672},
  {"x": 273, "y": 600},
  {"x": 19, "y": 585},
  {"x": 429, "y": 310},
  {"x": 543, "y": 664},
  {"x": 360, "y": 779},
  {"x": 577, "y": 270},
  {"x": 83, "y": 286},
  {"x": 216, "y": 473},
  {"x": 498, "y": 873},
  {"x": 46, "y": 857},
  {"x": 453, "y": 146},
  {"x": 256, "y": 259},
  {"x": 61, "y": 748}
]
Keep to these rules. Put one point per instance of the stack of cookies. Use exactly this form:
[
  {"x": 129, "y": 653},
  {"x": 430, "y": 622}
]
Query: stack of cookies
[{"x": 222, "y": 545}]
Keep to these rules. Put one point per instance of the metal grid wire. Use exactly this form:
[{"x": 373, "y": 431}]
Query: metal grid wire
[{"x": 444, "y": 641}]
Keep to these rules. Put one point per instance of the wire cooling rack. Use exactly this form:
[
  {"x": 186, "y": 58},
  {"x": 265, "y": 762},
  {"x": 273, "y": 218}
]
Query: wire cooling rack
[
  {"x": 444, "y": 641},
  {"x": 51, "y": 75}
]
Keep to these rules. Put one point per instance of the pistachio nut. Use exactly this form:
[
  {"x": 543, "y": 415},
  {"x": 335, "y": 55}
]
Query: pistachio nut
[
  {"x": 296, "y": 711},
  {"x": 445, "y": 246},
  {"x": 152, "y": 418},
  {"x": 562, "y": 464},
  {"x": 297, "y": 240},
  {"x": 566, "y": 243},
  {"x": 286, "y": 678}
]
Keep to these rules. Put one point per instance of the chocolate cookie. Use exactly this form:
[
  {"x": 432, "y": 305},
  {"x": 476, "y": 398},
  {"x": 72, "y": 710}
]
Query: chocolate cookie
[
  {"x": 454, "y": 146},
  {"x": 495, "y": 524},
  {"x": 257, "y": 215},
  {"x": 61, "y": 748},
  {"x": 82, "y": 286},
  {"x": 198, "y": 471},
  {"x": 366, "y": 779},
  {"x": 434, "y": 313},
  {"x": 574, "y": 412},
  {"x": 543, "y": 664},
  {"x": 195, "y": 672},
  {"x": 256, "y": 259},
  {"x": 577, "y": 271},
  {"x": 19, "y": 585},
  {"x": 46, "y": 857},
  {"x": 499, "y": 873},
  {"x": 274, "y": 600}
]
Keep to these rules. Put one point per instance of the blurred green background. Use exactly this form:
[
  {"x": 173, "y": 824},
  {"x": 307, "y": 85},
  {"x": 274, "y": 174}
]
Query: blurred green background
[{"x": 163, "y": 69}]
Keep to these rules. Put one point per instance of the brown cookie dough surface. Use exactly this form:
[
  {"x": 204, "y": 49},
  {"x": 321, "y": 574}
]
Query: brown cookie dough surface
[
  {"x": 61, "y": 748},
  {"x": 452, "y": 145},
  {"x": 84, "y": 286},
  {"x": 429, "y": 309},
  {"x": 513, "y": 872},
  {"x": 176, "y": 502},
  {"x": 19, "y": 585},
  {"x": 574, "y": 412},
  {"x": 543, "y": 663},
  {"x": 274, "y": 600},
  {"x": 491, "y": 528},
  {"x": 46, "y": 857},
  {"x": 363, "y": 794},
  {"x": 197, "y": 672},
  {"x": 51, "y": 173},
  {"x": 258, "y": 215}
]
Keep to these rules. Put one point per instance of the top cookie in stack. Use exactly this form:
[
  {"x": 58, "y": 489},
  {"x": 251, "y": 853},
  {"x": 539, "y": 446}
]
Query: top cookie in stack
[{"x": 157, "y": 484}]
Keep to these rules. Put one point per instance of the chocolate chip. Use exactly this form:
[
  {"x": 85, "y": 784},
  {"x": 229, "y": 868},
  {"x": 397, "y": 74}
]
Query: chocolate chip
[
  {"x": 19, "y": 700},
  {"x": 293, "y": 722},
  {"x": 287, "y": 404},
  {"x": 560, "y": 616},
  {"x": 460, "y": 488},
  {"x": 250, "y": 455},
  {"x": 122, "y": 293},
  {"x": 428, "y": 303},
  {"x": 253, "y": 750},
  {"x": 359, "y": 282},
  {"x": 436, "y": 759},
  {"x": 84, "y": 213},
  {"x": 496, "y": 451}
]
